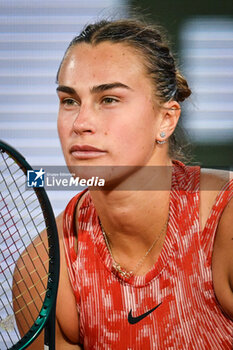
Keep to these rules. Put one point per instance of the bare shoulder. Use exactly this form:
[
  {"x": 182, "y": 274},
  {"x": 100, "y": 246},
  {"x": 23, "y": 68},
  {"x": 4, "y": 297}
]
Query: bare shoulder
[
  {"x": 59, "y": 222},
  {"x": 222, "y": 260},
  {"x": 214, "y": 179},
  {"x": 66, "y": 310},
  {"x": 211, "y": 183}
]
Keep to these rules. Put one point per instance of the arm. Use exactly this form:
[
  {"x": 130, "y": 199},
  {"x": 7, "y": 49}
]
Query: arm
[
  {"x": 222, "y": 261},
  {"x": 67, "y": 326},
  {"x": 211, "y": 183},
  {"x": 67, "y": 333}
]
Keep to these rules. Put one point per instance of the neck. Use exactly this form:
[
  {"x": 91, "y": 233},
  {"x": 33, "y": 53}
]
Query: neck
[{"x": 133, "y": 219}]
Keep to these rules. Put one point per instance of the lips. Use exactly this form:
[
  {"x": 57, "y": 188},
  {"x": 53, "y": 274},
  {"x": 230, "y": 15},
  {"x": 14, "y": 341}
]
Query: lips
[
  {"x": 84, "y": 148},
  {"x": 86, "y": 152}
]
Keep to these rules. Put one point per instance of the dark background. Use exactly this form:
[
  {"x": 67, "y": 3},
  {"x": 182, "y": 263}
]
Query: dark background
[{"x": 172, "y": 15}]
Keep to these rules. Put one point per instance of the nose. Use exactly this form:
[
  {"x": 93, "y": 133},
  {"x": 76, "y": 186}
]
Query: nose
[{"x": 84, "y": 122}]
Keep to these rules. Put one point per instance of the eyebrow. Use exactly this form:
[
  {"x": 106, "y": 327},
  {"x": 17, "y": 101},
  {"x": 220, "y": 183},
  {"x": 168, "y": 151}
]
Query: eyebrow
[
  {"x": 94, "y": 89},
  {"x": 103, "y": 87},
  {"x": 67, "y": 89}
]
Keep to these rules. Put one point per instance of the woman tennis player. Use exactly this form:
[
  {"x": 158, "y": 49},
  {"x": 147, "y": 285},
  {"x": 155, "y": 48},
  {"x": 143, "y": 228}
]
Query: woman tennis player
[
  {"x": 147, "y": 269},
  {"x": 150, "y": 266}
]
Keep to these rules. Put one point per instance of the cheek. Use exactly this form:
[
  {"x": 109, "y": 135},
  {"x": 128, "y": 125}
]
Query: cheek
[
  {"x": 141, "y": 133},
  {"x": 59, "y": 128},
  {"x": 63, "y": 132},
  {"x": 134, "y": 145},
  {"x": 63, "y": 125}
]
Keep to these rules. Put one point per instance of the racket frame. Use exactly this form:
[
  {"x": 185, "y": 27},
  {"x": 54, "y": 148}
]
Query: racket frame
[{"x": 46, "y": 317}]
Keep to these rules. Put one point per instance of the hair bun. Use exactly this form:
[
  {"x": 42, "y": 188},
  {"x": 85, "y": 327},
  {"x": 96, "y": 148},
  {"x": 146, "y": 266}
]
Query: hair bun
[{"x": 183, "y": 91}]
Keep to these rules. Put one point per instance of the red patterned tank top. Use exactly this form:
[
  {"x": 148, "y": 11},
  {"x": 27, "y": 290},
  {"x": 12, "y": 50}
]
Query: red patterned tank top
[{"x": 179, "y": 286}]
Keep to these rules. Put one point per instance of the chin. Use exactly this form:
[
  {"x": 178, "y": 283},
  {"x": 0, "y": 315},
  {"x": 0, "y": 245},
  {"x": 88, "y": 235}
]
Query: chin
[{"x": 113, "y": 176}]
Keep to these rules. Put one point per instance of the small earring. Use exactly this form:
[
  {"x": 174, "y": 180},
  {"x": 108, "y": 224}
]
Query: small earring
[{"x": 162, "y": 134}]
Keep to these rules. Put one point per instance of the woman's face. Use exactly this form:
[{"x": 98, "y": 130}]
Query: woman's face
[{"x": 107, "y": 113}]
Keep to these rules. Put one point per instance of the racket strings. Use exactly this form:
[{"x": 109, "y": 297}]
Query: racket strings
[
  {"x": 27, "y": 290},
  {"x": 21, "y": 220},
  {"x": 12, "y": 253},
  {"x": 5, "y": 162},
  {"x": 23, "y": 202},
  {"x": 16, "y": 240},
  {"x": 13, "y": 182},
  {"x": 7, "y": 323},
  {"x": 32, "y": 301},
  {"x": 13, "y": 226},
  {"x": 31, "y": 272},
  {"x": 26, "y": 205},
  {"x": 10, "y": 304},
  {"x": 19, "y": 196},
  {"x": 8, "y": 308},
  {"x": 9, "y": 319},
  {"x": 22, "y": 294}
]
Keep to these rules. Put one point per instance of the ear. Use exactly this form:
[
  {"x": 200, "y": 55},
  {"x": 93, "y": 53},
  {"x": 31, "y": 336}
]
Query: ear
[{"x": 170, "y": 113}]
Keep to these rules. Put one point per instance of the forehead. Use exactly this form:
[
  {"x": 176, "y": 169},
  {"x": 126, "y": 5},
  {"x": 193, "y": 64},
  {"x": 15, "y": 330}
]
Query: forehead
[{"x": 102, "y": 62}]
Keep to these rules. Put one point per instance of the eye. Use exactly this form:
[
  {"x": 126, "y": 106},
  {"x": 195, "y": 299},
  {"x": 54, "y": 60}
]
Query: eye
[
  {"x": 69, "y": 102},
  {"x": 109, "y": 100}
]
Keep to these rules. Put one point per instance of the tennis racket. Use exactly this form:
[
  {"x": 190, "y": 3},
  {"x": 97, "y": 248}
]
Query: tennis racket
[{"x": 29, "y": 256}]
